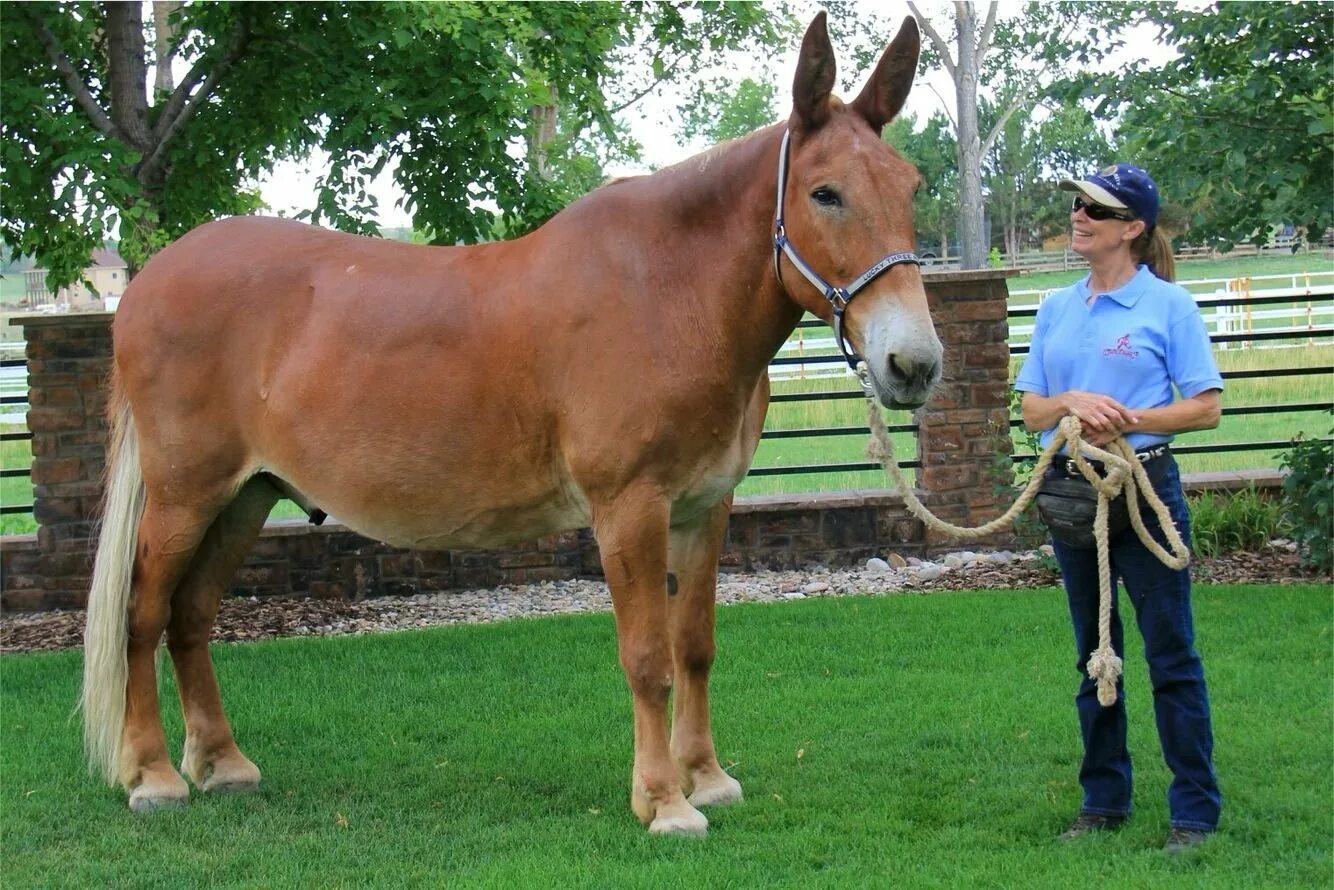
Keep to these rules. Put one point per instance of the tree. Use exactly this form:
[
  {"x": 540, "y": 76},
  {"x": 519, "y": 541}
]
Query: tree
[
  {"x": 963, "y": 71},
  {"x": 1013, "y": 57},
  {"x": 447, "y": 91},
  {"x": 1239, "y": 127},
  {"x": 1030, "y": 154},
  {"x": 934, "y": 153}
]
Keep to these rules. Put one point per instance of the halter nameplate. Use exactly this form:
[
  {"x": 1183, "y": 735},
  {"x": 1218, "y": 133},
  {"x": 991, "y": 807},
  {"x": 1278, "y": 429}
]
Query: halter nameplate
[{"x": 838, "y": 297}]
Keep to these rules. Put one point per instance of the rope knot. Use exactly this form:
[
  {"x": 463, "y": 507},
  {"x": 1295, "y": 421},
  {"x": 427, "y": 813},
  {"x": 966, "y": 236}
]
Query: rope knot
[{"x": 1104, "y": 666}]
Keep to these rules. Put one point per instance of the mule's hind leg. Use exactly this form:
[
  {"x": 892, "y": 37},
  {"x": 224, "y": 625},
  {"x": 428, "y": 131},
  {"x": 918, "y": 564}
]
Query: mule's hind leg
[
  {"x": 168, "y": 539},
  {"x": 693, "y": 565},
  {"x": 632, "y": 537},
  {"x": 211, "y": 759}
]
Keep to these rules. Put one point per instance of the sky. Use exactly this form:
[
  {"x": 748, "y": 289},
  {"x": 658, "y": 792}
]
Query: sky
[{"x": 290, "y": 187}]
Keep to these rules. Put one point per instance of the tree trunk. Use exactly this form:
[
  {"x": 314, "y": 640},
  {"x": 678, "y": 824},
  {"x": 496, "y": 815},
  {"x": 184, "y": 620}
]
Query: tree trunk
[
  {"x": 127, "y": 65},
  {"x": 540, "y": 136},
  {"x": 164, "y": 35},
  {"x": 973, "y": 247}
]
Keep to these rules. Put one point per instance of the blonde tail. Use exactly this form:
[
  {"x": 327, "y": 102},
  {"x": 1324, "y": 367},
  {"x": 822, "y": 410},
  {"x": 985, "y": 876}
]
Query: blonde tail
[{"x": 106, "y": 635}]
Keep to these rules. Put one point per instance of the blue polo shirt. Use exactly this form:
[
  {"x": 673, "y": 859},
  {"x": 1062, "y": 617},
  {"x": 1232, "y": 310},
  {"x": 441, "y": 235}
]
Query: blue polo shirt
[{"x": 1132, "y": 344}]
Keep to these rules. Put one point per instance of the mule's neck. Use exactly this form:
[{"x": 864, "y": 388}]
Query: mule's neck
[{"x": 718, "y": 213}]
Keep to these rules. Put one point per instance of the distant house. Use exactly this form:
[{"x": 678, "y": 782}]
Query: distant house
[
  {"x": 1056, "y": 242},
  {"x": 106, "y": 273}
]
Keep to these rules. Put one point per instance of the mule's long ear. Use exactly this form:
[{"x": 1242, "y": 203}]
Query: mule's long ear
[
  {"x": 887, "y": 90},
  {"x": 815, "y": 77}
]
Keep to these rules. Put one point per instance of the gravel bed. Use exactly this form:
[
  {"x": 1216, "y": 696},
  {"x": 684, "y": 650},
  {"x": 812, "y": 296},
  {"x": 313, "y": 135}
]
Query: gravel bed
[{"x": 244, "y": 619}]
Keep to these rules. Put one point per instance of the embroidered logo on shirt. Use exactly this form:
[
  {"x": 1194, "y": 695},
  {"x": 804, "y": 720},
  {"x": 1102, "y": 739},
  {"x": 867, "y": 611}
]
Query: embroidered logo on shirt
[{"x": 1122, "y": 348}]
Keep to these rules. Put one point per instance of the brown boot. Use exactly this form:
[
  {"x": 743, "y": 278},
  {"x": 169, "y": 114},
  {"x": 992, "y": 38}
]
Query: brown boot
[
  {"x": 1179, "y": 840},
  {"x": 1086, "y": 823}
]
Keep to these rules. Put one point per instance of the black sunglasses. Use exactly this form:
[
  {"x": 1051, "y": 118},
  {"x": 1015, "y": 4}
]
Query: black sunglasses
[{"x": 1098, "y": 212}]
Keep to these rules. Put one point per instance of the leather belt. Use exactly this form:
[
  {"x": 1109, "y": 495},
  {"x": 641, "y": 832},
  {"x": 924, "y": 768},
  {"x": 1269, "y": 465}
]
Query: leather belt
[{"x": 1063, "y": 464}]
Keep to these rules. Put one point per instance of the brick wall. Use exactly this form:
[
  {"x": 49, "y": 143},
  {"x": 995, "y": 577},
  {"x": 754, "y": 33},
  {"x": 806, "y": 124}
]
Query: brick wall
[
  {"x": 69, "y": 362},
  {"x": 963, "y": 436},
  {"x": 69, "y": 358}
]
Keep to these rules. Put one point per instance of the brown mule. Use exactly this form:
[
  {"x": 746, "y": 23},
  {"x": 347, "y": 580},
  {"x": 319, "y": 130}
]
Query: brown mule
[{"x": 607, "y": 370}]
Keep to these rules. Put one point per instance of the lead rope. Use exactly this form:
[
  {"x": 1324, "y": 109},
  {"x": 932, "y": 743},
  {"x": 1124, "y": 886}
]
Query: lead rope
[{"x": 1124, "y": 473}]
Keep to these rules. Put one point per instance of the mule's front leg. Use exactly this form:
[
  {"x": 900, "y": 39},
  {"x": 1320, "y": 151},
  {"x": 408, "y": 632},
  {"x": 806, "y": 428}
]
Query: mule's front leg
[
  {"x": 693, "y": 565},
  {"x": 632, "y": 537}
]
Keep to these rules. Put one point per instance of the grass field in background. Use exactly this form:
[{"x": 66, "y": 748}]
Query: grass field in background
[
  {"x": 1191, "y": 270},
  {"x": 923, "y": 741}
]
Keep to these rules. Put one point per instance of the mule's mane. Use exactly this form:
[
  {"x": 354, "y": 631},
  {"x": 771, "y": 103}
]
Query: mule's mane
[
  {"x": 715, "y": 154},
  {"x": 696, "y": 164}
]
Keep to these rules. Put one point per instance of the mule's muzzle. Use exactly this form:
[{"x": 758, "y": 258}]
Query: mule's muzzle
[{"x": 906, "y": 381}]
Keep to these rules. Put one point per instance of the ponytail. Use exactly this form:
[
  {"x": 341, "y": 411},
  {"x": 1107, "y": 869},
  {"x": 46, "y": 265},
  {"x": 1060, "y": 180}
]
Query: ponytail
[{"x": 1153, "y": 249}]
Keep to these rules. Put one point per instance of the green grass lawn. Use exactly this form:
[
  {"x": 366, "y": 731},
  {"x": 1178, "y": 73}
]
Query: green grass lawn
[{"x": 874, "y": 749}]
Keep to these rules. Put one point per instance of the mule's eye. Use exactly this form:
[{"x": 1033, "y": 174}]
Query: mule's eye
[{"x": 826, "y": 197}]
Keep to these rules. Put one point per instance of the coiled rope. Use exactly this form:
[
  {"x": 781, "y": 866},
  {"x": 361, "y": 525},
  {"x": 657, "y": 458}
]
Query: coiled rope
[{"x": 1125, "y": 474}]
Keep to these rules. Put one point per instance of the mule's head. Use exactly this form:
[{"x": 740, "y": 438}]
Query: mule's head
[{"x": 848, "y": 204}]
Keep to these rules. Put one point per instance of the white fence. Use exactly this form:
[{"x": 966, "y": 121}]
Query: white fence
[
  {"x": 821, "y": 346},
  {"x": 14, "y": 383},
  {"x": 1297, "y": 312}
]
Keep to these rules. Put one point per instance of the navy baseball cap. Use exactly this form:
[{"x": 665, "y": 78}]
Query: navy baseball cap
[{"x": 1123, "y": 186}]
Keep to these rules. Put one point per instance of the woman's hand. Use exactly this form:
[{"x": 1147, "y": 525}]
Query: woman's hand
[{"x": 1102, "y": 417}]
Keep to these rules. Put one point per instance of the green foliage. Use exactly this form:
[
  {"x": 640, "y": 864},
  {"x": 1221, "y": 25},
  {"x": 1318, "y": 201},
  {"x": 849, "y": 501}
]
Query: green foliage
[
  {"x": 1224, "y": 522},
  {"x": 445, "y": 91},
  {"x": 934, "y": 152},
  {"x": 1239, "y": 126},
  {"x": 1308, "y": 493},
  {"x": 1027, "y": 160},
  {"x": 718, "y": 112}
]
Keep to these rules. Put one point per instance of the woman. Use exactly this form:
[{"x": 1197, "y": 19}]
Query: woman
[{"x": 1109, "y": 350}]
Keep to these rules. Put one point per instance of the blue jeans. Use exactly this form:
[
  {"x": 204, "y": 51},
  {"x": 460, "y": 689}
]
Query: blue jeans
[{"x": 1161, "y": 597}]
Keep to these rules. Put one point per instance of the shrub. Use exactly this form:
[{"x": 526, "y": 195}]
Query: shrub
[
  {"x": 1308, "y": 499},
  {"x": 1241, "y": 520}
]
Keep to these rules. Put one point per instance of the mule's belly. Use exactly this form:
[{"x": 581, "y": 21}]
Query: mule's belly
[
  {"x": 448, "y": 526},
  {"x": 440, "y": 498},
  {"x": 480, "y": 531}
]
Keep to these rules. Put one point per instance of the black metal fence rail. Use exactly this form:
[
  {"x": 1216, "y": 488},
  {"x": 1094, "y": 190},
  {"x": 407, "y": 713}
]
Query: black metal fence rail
[{"x": 1317, "y": 295}]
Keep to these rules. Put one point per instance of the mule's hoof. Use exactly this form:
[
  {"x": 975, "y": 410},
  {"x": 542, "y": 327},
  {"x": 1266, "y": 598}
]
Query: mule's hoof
[
  {"x": 149, "y": 802},
  {"x": 241, "y": 778},
  {"x": 718, "y": 792},
  {"x": 684, "y": 822},
  {"x": 230, "y": 773},
  {"x": 231, "y": 787}
]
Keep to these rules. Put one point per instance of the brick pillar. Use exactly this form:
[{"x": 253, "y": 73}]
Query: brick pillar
[
  {"x": 69, "y": 360},
  {"x": 963, "y": 436}
]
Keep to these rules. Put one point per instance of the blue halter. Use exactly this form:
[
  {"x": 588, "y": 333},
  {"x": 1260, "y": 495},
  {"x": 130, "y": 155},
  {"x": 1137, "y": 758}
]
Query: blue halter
[{"x": 838, "y": 297}]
